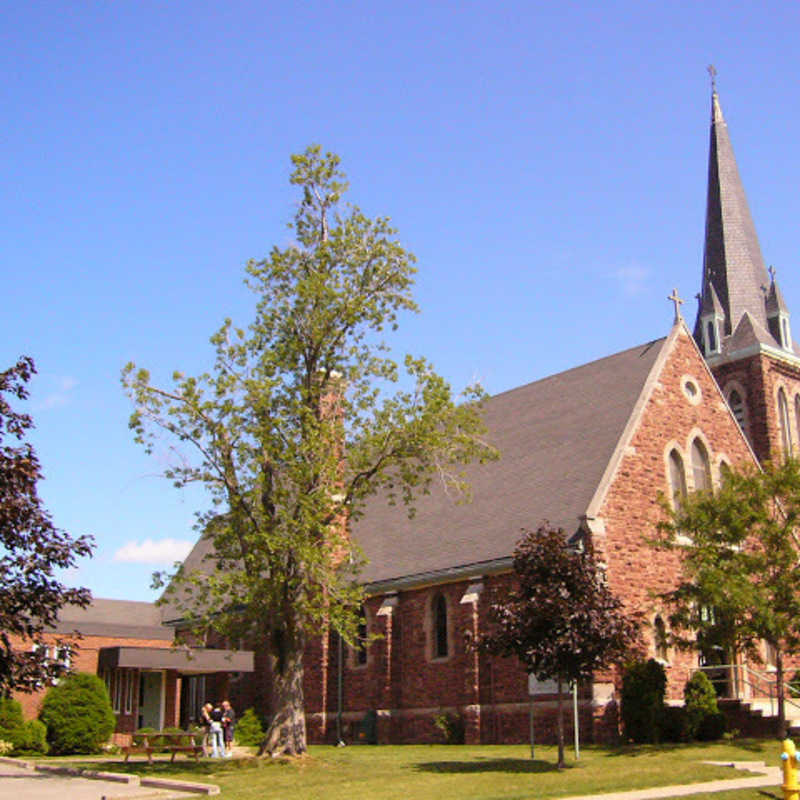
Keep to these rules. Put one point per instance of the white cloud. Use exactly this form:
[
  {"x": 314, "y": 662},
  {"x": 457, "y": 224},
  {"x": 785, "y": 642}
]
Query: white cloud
[
  {"x": 632, "y": 279},
  {"x": 150, "y": 551},
  {"x": 60, "y": 396}
]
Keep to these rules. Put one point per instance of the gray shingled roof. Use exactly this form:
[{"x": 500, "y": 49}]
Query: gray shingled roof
[
  {"x": 732, "y": 260},
  {"x": 555, "y": 436},
  {"x": 118, "y": 618}
]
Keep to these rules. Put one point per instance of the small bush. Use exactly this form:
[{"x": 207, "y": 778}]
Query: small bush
[
  {"x": 643, "y": 687},
  {"x": 12, "y": 723},
  {"x": 673, "y": 725},
  {"x": 78, "y": 715},
  {"x": 701, "y": 701},
  {"x": 34, "y": 738},
  {"x": 451, "y": 726},
  {"x": 712, "y": 727},
  {"x": 248, "y": 731},
  {"x": 5, "y": 747}
]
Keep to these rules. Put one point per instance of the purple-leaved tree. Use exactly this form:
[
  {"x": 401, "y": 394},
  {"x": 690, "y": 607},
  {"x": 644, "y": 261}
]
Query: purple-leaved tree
[
  {"x": 561, "y": 621},
  {"x": 32, "y": 549}
]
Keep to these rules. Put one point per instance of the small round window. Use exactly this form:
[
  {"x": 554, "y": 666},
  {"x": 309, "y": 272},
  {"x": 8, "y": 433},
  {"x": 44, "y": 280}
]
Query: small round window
[{"x": 691, "y": 390}]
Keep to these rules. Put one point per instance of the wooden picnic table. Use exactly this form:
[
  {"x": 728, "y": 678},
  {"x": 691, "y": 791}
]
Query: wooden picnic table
[{"x": 174, "y": 743}]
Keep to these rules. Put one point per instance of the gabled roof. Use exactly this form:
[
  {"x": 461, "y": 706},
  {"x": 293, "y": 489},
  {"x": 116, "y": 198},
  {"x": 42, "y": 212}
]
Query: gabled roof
[
  {"x": 555, "y": 436},
  {"x": 775, "y": 302},
  {"x": 732, "y": 259},
  {"x": 118, "y": 618}
]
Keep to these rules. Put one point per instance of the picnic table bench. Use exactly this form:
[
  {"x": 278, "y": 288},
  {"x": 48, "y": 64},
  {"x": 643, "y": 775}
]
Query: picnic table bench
[{"x": 174, "y": 743}]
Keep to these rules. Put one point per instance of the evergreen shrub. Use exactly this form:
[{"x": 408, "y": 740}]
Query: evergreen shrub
[
  {"x": 248, "y": 731},
  {"x": 712, "y": 727},
  {"x": 78, "y": 715},
  {"x": 643, "y": 686},
  {"x": 34, "y": 738},
  {"x": 12, "y": 723},
  {"x": 673, "y": 724},
  {"x": 701, "y": 702},
  {"x": 451, "y": 727}
]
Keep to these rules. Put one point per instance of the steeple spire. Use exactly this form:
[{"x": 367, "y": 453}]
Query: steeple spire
[{"x": 732, "y": 260}]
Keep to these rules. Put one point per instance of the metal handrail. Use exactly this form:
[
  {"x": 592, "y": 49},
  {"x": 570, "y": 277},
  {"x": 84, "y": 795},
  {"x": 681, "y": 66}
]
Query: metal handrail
[{"x": 761, "y": 684}]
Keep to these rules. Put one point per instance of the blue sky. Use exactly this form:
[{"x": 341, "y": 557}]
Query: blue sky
[{"x": 546, "y": 162}]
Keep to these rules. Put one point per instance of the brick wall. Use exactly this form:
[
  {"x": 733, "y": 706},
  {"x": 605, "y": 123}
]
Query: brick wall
[
  {"x": 630, "y": 510},
  {"x": 85, "y": 657},
  {"x": 761, "y": 376}
]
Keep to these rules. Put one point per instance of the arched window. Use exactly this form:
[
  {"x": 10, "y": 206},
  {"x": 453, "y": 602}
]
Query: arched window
[
  {"x": 677, "y": 479},
  {"x": 783, "y": 420},
  {"x": 660, "y": 642},
  {"x": 797, "y": 413},
  {"x": 440, "y": 644},
  {"x": 701, "y": 467},
  {"x": 360, "y": 650},
  {"x": 712, "y": 337},
  {"x": 737, "y": 406}
]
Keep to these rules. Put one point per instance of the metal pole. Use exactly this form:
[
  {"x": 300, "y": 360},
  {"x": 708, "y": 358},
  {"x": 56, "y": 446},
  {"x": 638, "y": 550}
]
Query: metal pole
[
  {"x": 339, "y": 692},
  {"x": 530, "y": 718},
  {"x": 575, "y": 720}
]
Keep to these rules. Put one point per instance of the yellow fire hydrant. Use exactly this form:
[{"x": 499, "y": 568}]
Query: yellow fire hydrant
[{"x": 789, "y": 758}]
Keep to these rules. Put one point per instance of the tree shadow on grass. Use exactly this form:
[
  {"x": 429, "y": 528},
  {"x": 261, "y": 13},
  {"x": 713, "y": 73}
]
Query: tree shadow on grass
[
  {"x": 633, "y": 750},
  {"x": 518, "y": 765}
]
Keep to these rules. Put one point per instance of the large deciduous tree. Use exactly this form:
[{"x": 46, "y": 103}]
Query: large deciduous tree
[
  {"x": 296, "y": 425},
  {"x": 740, "y": 552},
  {"x": 32, "y": 550},
  {"x": 561, "y": 620}
]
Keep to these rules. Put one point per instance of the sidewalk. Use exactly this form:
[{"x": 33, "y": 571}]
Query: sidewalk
[
  {"x": 767, "y": 776},
  {"x": 25, "y": 780}
]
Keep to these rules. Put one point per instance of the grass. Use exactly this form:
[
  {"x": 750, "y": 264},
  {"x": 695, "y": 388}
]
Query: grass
[{"x": 441, "y": 772}]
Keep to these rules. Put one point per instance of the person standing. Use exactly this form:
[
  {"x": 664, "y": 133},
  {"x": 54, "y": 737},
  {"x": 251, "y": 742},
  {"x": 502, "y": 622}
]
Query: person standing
[
  {"x": 205, "y": 721},
  {"x": 228, "y": 724},
  {"x": 217, "y": 741}
]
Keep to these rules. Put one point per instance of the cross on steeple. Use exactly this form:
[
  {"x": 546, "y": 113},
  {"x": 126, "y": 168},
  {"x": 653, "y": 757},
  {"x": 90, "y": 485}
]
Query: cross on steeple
[
  {"x": 678, "y": 303},
  {"x": 772, "y": 272},
  {"x": 712, "y": 71}
]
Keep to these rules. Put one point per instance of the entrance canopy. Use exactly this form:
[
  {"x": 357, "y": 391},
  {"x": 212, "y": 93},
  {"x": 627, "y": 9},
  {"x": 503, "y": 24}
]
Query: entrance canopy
[{"x": 199, "y": 660}]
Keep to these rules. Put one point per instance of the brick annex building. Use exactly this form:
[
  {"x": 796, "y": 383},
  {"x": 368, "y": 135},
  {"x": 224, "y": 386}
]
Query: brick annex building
[{"x": 589, "y": 450}]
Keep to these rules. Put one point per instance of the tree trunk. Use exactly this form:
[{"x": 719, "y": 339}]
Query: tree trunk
[
  {"x": 286, "y": 734},
  {"x": 560, "y": 727},
  {"x": 782, "y": 732}
]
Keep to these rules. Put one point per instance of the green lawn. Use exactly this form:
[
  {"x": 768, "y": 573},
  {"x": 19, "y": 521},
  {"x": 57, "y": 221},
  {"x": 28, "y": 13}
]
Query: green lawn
[{"x": 442, "y": 772}]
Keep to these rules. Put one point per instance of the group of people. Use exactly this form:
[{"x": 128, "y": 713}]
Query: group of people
[{"x": 219, "y": 721}]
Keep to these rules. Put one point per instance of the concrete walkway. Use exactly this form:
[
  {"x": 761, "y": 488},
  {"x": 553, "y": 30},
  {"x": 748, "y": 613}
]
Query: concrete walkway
[
  {"x": 767, "y": 776},
  {"x": 24, "y": 779}
]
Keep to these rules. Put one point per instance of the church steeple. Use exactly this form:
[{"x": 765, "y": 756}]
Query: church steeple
[{"x": 732, "y": 262}]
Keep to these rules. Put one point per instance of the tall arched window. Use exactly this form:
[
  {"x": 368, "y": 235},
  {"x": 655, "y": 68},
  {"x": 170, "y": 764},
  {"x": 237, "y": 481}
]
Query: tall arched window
[
  {"x": 440, "y": 644},
  {"x": 712, "y": 337},
  {"x": 677, "y": 479},
  {"x": 783, "y": 420},
  {"x": 660, "y": 642},
  {"x": 701, "y": 467},
  {"x": 797, "y": 414}
]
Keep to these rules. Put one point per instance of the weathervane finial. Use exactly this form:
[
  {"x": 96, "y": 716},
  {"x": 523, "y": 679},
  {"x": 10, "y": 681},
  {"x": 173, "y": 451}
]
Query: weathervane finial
[
  {"x": 712, "y": 71},
  {"x": 772, "y": 272}
]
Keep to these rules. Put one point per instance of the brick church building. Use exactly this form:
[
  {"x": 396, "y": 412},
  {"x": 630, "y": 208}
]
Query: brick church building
[{"x": 589, "y": 449}]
